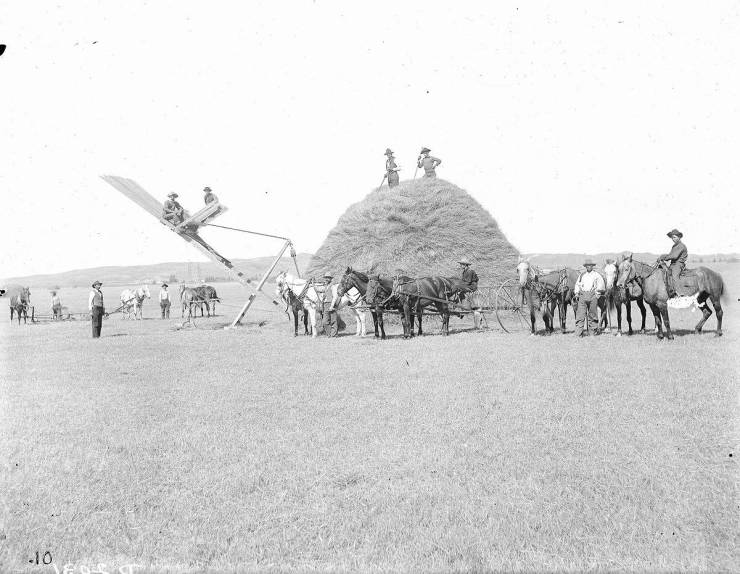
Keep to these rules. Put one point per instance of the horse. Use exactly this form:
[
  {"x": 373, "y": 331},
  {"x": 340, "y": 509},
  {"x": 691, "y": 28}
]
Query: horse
[
  {"x": 133, "y": 301},
  {"x": 416, "y": 294},
  {"x": 20, "y": 300},
  {"x": 355, "y": 284},
  {"x": 702, "y": 283},
  {"x": 379, "y": 296},
  {"x": 208, "y": 295},
  {"x": 293, "y": 303},
  {"x": 552, "y": 289},
  {"x": 617, "y": 296},
  {"x": 188, "y": 298},
  {"x": 306, "y": 292}
]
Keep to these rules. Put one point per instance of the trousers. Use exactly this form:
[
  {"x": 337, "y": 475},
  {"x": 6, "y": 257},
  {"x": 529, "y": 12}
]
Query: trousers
[
  {"x": 165, "y": 305},
  {"x": 97, "y": 321},
  {"x": 330, "y": 321},
  {"x": 586, "y": 310},
  {"x": 676, "y": 269}
]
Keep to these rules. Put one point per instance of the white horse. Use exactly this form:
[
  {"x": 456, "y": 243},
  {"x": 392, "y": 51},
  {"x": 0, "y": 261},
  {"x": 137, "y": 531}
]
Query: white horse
[
  {"x": 133, "y": 301},
  {"x": 311, "y": 299}
]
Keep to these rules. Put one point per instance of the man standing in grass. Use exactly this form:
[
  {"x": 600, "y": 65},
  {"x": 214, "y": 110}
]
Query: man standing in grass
[
  {"x": 56, "y": 307},
  {"x": 97, "y": 310},
  {"x": 329, "y": 314},
  {"x": 428, "y": 162},
  {"x": 164, "y": 301},
  {"x": 589, "y": 287}
]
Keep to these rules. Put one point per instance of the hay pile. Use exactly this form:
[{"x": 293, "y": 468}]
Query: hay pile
[{"x": 419, "y": 228}]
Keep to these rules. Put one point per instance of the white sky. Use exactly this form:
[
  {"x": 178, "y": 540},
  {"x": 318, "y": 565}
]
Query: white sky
[{"x": 581, "y": 126}]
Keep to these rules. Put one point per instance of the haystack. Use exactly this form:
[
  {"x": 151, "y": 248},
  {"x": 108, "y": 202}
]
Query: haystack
[{"x": 420, "y": 228}]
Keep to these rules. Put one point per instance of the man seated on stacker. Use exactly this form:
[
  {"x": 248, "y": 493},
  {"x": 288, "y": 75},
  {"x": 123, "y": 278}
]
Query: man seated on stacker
[{"x": 172, "y": 211}]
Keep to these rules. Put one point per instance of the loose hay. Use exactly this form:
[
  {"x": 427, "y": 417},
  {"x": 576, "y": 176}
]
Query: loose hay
[{"x": 422, "y": 227}]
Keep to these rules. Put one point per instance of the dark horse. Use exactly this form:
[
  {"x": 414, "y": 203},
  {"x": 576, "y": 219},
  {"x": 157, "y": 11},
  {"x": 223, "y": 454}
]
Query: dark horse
[
  {"x": 295, "y": 305},
  {"x": 416, "y": 294},
  {"x": 209, "y": 297},
  {"x": 357, "y": 280},
  {"x": 700, "y": 282},
  {"x": 551, "y": 289},
  {"x": 380, "y": 296},
  {"x": 20, "y": 300}
]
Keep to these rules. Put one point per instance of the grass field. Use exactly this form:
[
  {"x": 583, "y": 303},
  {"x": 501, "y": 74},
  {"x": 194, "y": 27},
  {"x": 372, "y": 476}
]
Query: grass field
[{"x": 247, "y": 449}]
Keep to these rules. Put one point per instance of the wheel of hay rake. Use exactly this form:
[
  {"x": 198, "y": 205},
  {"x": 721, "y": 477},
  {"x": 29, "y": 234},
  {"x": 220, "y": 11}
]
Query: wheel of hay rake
[{"x": 512, "y": 310}]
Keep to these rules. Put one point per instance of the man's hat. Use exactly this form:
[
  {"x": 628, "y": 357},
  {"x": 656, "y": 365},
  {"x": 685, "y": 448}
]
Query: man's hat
[
  {"x": 425, "y": 150},
  {"x": 675, "y": 232},
  {"x": 96, "y": 283},
  {"x": 173, "y": 194},
  {"x": 206, "y": 188},
  {"x": 165, "y": 285},
  {"x": 328, "y": 276},
  {"x": 388, "y": 151},
  {"x": 588, "y": 261},
  {"x": 464, "y": 261},
  {"x": 609, "y": 261}
]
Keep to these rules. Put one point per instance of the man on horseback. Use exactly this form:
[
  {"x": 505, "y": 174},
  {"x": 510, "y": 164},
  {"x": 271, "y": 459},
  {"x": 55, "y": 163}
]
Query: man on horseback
[
  {"x": 677, "y": 259},
  {"x": 428, "y": 162},
  {"x": 391, "y": 169},
  {"x": 172, "y": 211},
  {"x": 588, "y": 288}
]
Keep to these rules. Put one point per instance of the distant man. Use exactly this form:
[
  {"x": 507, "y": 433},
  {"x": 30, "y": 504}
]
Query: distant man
[
  {"x": 56, "y": 306},
  {"x": 172, "y": 211},
  {"x": 391, "y": 169},
  {"x": 589, "y": 287},
  {"x": 164, "y": 301},
  {"x": 329, "y": 314},
  {"x": 209, "y": 196},
  {"x": 677, "y": 259},
  {"x": 428, "y": 162},
  {"x": 97, "y": 310}
]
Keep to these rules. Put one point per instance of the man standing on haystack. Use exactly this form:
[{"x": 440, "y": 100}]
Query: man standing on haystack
[
  {"x": 391, "y": 169},
  {"x": 589, "y": 287},
  {"x": 428, "y": 162}
]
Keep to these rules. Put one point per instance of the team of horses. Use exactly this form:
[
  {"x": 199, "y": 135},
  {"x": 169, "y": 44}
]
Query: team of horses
[
  {"x": 194, "y": 298},
  {"x": 626, "y": 281}
]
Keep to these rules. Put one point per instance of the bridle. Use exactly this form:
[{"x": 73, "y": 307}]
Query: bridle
[{"x": 545, "y": 292}]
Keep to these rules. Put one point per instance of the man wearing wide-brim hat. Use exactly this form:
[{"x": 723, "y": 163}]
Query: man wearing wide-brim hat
[
  {"x": 428, "y": 162},
  {"x": 677, "y": 258},
  {"x": 391, "y": 168},
  {"x": 164, "y": 301},
  {"x": 208, "y": 195},
  {"x": 97, "y": 308},
  {"x": 172, "y": 211},
  {"x": 589, "y": 287},
  {"x": 328, "y": 312}
]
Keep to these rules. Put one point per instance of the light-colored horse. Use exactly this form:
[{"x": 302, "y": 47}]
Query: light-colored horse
[
  {"x": 311, "y": 299},
  {"x": 133, "y": 302}
]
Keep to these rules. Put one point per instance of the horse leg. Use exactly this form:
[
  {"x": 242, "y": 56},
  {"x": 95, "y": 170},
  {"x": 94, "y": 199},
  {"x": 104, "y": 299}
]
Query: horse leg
[
  {"x": 618, "y": 305},
  {"x": 666, "y": 321},
  {"x": 295, "y": 322},
  {"x": 375, "y": 322},
  {"x": 705, "y": 311},
  {"x": 312, "y": 315},
  {"x": 658, "y": 322},
  {"x": 419, "y": 315},
  {"x": 628, "y": 304},
  {"x": 379, "y": 313}
]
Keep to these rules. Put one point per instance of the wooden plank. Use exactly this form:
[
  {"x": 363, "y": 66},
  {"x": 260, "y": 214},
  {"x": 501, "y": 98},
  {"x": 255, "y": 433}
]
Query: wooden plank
[
  {"x": 135, "y": 193},
  {"x": 209, "y": 212}
]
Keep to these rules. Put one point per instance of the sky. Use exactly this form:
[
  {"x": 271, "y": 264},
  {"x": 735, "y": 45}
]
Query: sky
[{"x": 580, "y": 126}]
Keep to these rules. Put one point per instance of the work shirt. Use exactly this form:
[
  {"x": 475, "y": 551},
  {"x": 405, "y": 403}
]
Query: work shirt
[
  {"x": 210, "y": 197},
  {"x": 429, "y": 163},
  {"x": 164, "y": 295},
  {"x": 95, "y": 299},
  {"x": 171, "y": 206},
  {"x": 56, "y": 301},
  {"x": 390, "y": 165},
  {"x": 678, "y": 254},
  {"x": 590, "y": 282}
]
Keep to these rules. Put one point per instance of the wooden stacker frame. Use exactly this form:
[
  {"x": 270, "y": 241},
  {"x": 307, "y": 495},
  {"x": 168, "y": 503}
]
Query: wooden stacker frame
[{"x": 188, "y": 230}]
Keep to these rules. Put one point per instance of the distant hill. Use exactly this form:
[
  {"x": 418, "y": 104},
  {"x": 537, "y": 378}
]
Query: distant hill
[
  {"x": 254, "y": 268},
  {"x": 156, "y": 273}
]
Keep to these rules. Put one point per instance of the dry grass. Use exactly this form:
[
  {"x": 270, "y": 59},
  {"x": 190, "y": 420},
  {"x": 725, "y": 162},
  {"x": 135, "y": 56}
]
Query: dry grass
[
  {"x": 252, "y": 450},
  {"x": 421, "y": 227}
]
